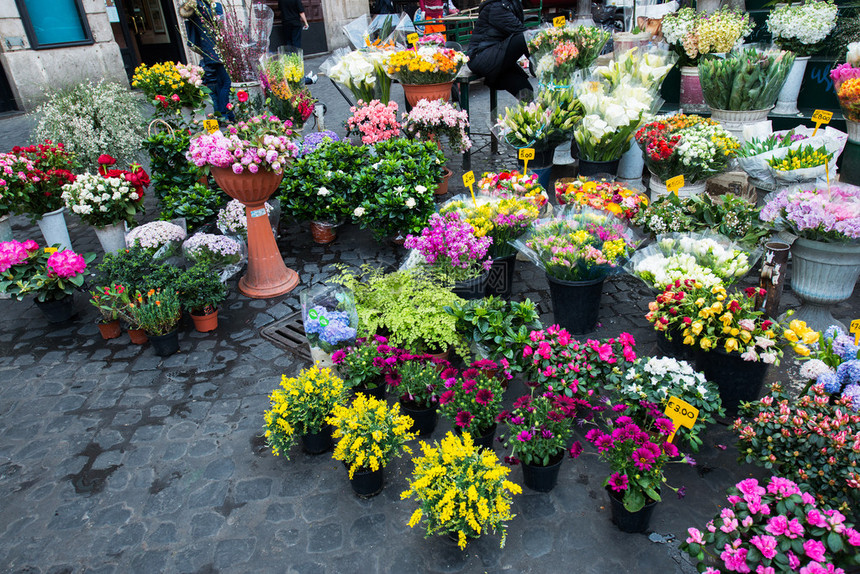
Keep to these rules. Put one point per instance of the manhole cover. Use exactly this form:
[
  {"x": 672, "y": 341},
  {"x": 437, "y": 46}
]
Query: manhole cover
[{"x": 289, "y": 334}]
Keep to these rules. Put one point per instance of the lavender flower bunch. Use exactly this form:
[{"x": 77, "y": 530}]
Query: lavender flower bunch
[
  {"x": 313, "y": 140},
  {"x": 218, "y": 250},
  {"x": 450, "y": 248},
  {"x": 825, "y": 214},
  {"x": 330, "y": 330}
]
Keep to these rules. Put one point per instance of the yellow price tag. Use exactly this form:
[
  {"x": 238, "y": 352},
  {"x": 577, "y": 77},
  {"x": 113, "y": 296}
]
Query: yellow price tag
[
  {"x": 821, "y": 117},
  {"x": 469, "y": 181},
  {"x": 559, "y": 21},
  {"x": 855, "y": 328},
  {"x": 412, "y": 38},
  {"x": 589, "y": 186},
  {"x": 674, "y": 184},
  {"x": 682, "y": 413},
  {"x": 526, "y": 154},
  {"x": 210, "y": 126},
  {"x": 50, "y": 249}
]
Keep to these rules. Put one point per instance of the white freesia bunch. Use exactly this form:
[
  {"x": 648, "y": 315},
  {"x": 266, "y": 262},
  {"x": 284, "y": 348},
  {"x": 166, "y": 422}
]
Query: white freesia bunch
[
  {"x": 658, "y": 270},
  {"x": 101, "y": 200},
  {"x": 798, "y": 27}
]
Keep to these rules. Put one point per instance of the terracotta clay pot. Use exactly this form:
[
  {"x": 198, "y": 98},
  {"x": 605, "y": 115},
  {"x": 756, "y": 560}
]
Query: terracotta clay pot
[
  {"x": 416, "y": 92},
  {"x": 110, "y": 330},
  {"x": 137, "y": 336},
  {"x": 443, "y": 185},
  {"x": 207, "y": 322},
  {"x": 323, "y": 232},
  {"x": 267, "y": 276}
]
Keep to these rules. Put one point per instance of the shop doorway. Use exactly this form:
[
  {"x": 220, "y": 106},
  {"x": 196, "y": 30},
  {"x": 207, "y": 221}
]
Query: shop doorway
[
  {"x": 7, "y": 98},
  {"x": 147, "y": 32}
]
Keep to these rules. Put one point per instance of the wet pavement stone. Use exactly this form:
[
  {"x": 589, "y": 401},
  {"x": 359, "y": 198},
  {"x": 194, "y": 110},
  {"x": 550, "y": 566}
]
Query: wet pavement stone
[{"x": 115, "y": 460}]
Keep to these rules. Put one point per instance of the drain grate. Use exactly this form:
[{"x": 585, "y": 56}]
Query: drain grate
[{"x": 289, "y": 334}]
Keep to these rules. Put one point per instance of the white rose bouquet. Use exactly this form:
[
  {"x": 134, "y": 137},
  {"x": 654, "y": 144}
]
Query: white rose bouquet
[{"x": 101, "y": 201}]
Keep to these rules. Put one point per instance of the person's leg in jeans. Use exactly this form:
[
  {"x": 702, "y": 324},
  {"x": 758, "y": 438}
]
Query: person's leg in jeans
[{"x": 293, "y": 36}]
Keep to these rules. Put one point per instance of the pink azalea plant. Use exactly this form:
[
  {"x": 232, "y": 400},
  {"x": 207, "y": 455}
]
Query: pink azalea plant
[
  {"x": 435, "y": 119},
  {"x": 450, "y": 248},
  {"x": 261, "y": 142},
  {"x": 47, "y": 272},
  {"x": 373, "y": 121},
  {"x": 773, "y": 528}
]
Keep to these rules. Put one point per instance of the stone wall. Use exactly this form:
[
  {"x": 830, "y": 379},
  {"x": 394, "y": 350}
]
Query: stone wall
[{"x": 34, "y": 73}]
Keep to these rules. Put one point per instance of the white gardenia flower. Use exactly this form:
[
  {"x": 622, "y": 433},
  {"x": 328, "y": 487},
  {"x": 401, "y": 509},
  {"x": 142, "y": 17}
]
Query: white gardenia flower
[
  {"x": 323, "y": 192},
  {"x": 420, "y": 189},
  {"x": 410, "y": 203},
  {"x": 358, "y": 211}
]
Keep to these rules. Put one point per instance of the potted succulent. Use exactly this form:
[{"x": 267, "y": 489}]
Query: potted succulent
[
  {"x": 111, "y": 302},
  {"x": 200, "y": 290},
  {"x": 825, "y": 255},
  {"x": 503, "y": 220},
  {"x": 408, "y": 306},
  {"x": 636, "y": 454},
  {"x": 803, "y": 438},
  {"x": 366, "y": 366},
  {"x": 370, "y": 433},
  {"x": 248, "y": 165},
  {"x": 773, "y": 527},
  {"x": 655, "y": 379},
  {"x": 418, "y": 385},
  {"x": 158, "y": 312},
  {"x": 51, "y": 275},
  {"x": 499, "y": 329},
  {"x": 453, "y": 254},
  {"x": 539, "y": 430},
  {"x": 578, "y": 250},
  {"x": 300, "y": 407},
  {"x": 472, "y": 400},
  {"x": 453, "y": 482}
]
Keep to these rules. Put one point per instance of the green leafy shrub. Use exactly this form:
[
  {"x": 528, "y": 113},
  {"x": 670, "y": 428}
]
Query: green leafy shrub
[{"x": 198, "y": 204}]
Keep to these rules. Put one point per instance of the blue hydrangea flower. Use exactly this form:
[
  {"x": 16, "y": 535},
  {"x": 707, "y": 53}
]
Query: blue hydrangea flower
[
  {"x": 849, "y": 372},
  {"x": 844, "y": 346},
  {"x": 833, "y": 331},
  {"x": 831, "y": 381},
  {"x": 853, "y": 392}
]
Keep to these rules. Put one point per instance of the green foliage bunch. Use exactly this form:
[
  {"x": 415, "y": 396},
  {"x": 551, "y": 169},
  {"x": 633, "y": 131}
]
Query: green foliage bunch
[
  {"x": 136, "y": 270},
  {"x": 200, "y": 288},
  {"x": 198, "y": 204},
  {"x": 169, "y": 167}
]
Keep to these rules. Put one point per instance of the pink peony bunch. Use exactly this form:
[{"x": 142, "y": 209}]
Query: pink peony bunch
[
  {"x": 65, "y": 264},
  {"x": 14, "y": 253},
  {"x": 375, "y": 121}
]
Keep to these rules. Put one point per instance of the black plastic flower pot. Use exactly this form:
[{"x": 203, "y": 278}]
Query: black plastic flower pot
[
  {"x": 58, "y": 311},
  {"x": 481, "y": 437},
  {"x": 423, "y": 419},
  {"x": 576, "y": 304},
  {"x": 165, "y": 345},
  {"x": 738, "y": 380},
  {"x": 500, "y": 282},
  {"x": 543, "y": 478},
  {"x": 367, "y": 483},
  {"x": 317, "y": 443},
  {"x": 474, "y": 288},
  {"x": 627, "y": 521}
]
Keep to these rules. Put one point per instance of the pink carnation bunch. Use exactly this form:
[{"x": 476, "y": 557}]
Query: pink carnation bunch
[
  {"x": 65, "y": 264},
  {"x": 374, "y": 121}
]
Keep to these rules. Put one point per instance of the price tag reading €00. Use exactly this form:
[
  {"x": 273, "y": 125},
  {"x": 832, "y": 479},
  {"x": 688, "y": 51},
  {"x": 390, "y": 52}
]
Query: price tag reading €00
[
  {"x": 559, "y": 21},
  {"x": 674, "y": 184},
  {"x": 469, "y": 181},
  {"x": 682, "y": 413},
  {"x": 50, "y": 249},
  {"x": 526, "y": 154},
  {"x": 210, "y": 126},
  {"x": 412, "y": 38},
  {"x": 855, "y": 328},
  {"x": 821, "y": 117}
]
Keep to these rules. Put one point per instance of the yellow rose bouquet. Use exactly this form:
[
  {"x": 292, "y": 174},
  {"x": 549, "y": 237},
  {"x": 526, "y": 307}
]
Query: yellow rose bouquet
[{"x": 461, "y": 490}]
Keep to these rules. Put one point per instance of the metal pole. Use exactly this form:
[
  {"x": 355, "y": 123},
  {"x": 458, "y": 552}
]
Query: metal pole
[{"x": 773, "y": 277}]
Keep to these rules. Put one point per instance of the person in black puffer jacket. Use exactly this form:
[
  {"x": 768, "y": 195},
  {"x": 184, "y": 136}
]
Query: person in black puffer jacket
[{"x": 497, "y": 43}]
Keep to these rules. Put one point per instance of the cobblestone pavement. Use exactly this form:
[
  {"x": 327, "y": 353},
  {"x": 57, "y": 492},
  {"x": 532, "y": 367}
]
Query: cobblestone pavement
[{"x": 114, "y": 460}]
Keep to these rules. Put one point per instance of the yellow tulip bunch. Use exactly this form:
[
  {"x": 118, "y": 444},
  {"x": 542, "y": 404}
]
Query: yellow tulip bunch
[
  {"x": 301, "y": 406},
  {"x": 370, "y": 433},
  {"x": 460, "y": 489}
]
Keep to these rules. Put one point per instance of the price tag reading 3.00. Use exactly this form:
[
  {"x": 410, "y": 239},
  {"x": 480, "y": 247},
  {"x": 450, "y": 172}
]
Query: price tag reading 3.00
[{"x": 682, "y": 413}]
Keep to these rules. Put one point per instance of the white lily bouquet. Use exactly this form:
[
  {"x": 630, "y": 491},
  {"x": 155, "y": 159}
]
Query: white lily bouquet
[
  {"x": 708, "y": 258},
  {"x": 360, "y": 71},
  {"x": 612, "y": 116}
]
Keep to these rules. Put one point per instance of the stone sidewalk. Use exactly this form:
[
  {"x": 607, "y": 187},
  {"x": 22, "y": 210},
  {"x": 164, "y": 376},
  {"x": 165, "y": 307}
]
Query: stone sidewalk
[{"x": 113, "y": 460}]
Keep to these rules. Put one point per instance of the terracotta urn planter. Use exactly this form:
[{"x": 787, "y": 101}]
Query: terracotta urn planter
[
  {"x": 416, "y": 92},
  {"x": 110, "y": 330},
  {"x": 267, "y": 275},
  {"x": 205, "y": 322}
]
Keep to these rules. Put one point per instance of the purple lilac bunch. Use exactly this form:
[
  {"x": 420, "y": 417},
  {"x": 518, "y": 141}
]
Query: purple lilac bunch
[
  {"x": 819, "y": 214},
  {"x": 366, "y": 364},
  {"x": 329, "y": 329},
  {"x": 636, "y": 452},
  {"x": 450, "y": 248},
  {"x": 471, "y": 399},
  {"x": 774, "y": 527},
  {"x": 314, "y": 139},
  {"x": 539, "y": 428},
  {"x": 261, "y": 142}
]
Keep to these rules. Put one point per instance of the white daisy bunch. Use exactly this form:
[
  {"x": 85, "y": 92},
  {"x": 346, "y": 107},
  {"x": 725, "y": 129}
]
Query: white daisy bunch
[
  {"x": 154, "y": 235},
  {"x": 101, "y": 201},
  {"x": 796, "y": 27}
]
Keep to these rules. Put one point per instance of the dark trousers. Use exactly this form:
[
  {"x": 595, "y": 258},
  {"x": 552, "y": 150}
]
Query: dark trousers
[
  {"x": 216, "y": 78},
  {"x": 293, "y": 35},
  {"x": 511, "y": 77}
]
